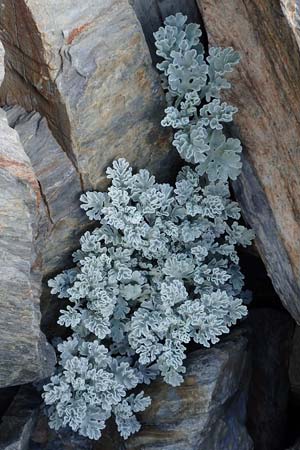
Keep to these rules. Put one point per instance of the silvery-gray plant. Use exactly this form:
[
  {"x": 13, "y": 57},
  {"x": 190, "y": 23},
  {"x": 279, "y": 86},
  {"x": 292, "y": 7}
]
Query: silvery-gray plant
[{"x": 161, "y": 269}]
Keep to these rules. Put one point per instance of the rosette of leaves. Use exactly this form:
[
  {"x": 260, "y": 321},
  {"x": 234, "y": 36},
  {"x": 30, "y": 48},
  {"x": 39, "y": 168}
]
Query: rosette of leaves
[{"x": 161, "y": 268}]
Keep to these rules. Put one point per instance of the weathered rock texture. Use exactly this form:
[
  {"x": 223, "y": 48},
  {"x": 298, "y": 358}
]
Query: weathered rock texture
[
  {"x": 206, "y": 412},
  {"x": 24, "y": 354},
  {"x": 18, "y": 422},
  {"x": 85, "y": 66},
  {"x": 272, "y": 332},
  {"x": 60, "y": 188},
  {"x": 266, "y": 89}
]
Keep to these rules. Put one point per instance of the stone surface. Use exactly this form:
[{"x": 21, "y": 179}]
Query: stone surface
[
  {"x": 18, "y": 422},
  {"x": 272, "y": 332},
  {"x": 266, "y": 89},
  {"x": 85, "y": 67},
  {"x": 206, "y": 412},
  {"x": 24, "y": 353},
  {"x": 60, "y": 188}
]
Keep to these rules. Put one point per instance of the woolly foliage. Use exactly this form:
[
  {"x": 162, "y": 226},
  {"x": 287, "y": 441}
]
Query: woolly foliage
[{"x": 161, "y": 269}]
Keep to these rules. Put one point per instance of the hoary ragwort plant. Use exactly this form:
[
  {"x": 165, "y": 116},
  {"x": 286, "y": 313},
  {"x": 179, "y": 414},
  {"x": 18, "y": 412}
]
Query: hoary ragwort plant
[{"x": 162, "y": 269}]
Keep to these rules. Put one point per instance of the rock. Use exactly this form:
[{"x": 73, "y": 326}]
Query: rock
[
  {"x": 272, "y": 332},
  {"x": 208, "y": 411},
  {"x": 18, "y": 422},
  {"x": 24, "y": 353},
  {"x": 60, "y": 188},
  {"x": 85, "y": 67},
  {"x": 266, "y": 89}
]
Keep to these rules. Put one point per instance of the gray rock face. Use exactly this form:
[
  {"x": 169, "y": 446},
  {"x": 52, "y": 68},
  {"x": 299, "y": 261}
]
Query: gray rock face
[
  {"x": 272, "y": 333},
  {"x": 208, "y": 411},
  {"x": 24, "y": 353},
  {"x": 18, "y": 422},
  {"x": 266, "y": 90},
  {"x": 85, "y": 67},
  {"x": 60, "y": 188}
]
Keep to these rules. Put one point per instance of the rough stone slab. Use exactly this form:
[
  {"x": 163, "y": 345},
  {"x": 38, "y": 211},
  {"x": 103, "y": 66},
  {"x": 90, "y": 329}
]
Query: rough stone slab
[
  {"x": 24, "y": 353},
  {"x": 271, "y": 340},
  {"x": 85, "y": 66},
  {"x": 17, "y": 424},
  {"x": 60, "y": 187},
  {"x": 266, "y": 89},
  {"x": 208, "y": 411}
]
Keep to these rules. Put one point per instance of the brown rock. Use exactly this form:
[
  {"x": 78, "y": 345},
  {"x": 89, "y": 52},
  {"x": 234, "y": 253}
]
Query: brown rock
[
  {"x": 266, "y": 89},
  {"x": 24, "y": 353},
  {"x": 85, "y": 67}
]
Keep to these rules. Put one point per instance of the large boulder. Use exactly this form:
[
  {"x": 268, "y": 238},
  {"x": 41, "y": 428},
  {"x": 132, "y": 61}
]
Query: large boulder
[
  {"x": 266, "y": 89},
  {"x": 60, "y": 188},
  {"x": 85, "y": 66},
  {"x": 24, "y": 353},
  {"x": 208, "y": 411}
]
